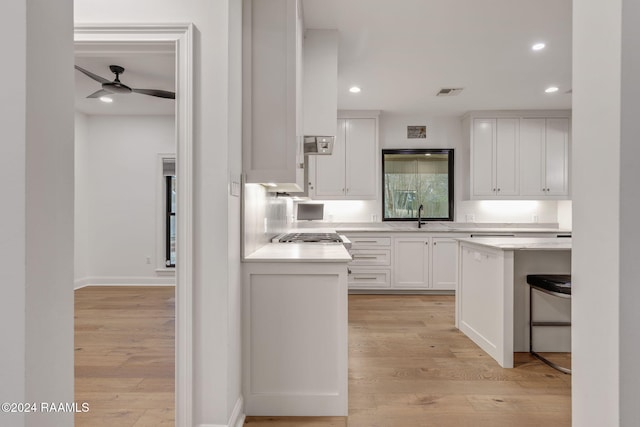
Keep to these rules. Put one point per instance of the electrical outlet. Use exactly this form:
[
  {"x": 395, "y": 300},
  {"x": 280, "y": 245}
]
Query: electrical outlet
[
  {"x": 148, "y": 260},
  {"x": 374, "y": 217},
  {"x": 534, "y": 218},
  {"x": 470, "y": 218}
]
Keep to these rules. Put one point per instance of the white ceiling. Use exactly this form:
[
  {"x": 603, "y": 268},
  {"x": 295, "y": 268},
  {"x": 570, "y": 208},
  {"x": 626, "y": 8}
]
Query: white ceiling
[
  {"x": 146, "y": 67},
  {"x": 401, "y": 52}
]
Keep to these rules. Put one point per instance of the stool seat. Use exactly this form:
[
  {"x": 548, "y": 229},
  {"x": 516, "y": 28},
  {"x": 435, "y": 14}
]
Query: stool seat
[{"x": 559, "y": 283}]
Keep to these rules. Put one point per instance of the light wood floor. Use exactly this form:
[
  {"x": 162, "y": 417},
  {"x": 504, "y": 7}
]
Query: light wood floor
[
  {"x": 408, "y": 366},
  {"x": 124, "y": 356}
]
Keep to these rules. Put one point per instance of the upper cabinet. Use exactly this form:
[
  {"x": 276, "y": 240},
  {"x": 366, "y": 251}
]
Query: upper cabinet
[
  {"x": 544, "y": 157},
  {"x": 351, "y": 172},
  {"x": 272, "y": 93},
  {"x": 320, "y": 82},
  {"x": 517, "y": 157},
  {"x": 494, "y": 168}
]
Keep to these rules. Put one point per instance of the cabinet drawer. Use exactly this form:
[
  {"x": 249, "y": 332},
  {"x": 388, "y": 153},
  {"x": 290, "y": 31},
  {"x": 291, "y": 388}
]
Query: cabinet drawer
[
  {"x": 369, "y": 279},
  {"x": 370, "y": 256},
  {"x": 369, "y": 241}
]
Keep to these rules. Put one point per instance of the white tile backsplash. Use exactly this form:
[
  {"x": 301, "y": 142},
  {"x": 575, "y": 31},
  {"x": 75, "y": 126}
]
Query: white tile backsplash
[{"x": 265, "y": 216}]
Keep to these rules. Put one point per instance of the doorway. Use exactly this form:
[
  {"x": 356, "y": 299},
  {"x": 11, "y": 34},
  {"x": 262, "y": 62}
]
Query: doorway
[{"x": 111, "y": 37}]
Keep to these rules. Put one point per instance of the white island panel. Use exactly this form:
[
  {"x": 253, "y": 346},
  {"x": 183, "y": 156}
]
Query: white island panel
[
  {"x": 492, "y": 301},
  {"x": 485, "y": 300},
  {"x": 295, "y": 338}
]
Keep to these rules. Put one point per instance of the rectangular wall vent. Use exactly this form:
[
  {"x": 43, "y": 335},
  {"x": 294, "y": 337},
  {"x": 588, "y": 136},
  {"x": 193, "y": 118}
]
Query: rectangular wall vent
[{"x": 449, "y": 91}]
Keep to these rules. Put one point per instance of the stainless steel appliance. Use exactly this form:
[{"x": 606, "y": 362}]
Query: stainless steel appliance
[
  {"x": 317, "y": 238},
  {"x": 314, "y": 145}
]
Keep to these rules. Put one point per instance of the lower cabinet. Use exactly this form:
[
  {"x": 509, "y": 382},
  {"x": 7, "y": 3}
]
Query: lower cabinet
[
  {"x": 444, "y": 263},
  {"x": 411, "y": 262},
  {"x": 407, "y": 261}
]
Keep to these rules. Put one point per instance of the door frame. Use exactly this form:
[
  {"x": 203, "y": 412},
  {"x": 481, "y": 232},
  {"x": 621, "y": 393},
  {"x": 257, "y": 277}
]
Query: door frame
[{"x": 182, "y": 36}]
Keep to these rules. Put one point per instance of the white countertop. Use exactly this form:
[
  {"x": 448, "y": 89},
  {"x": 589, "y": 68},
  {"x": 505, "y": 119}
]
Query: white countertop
[
  {"x": 431, "y": 227},
  {"x": 300, "y": 252},
  {"x": 522, "y": 243}
]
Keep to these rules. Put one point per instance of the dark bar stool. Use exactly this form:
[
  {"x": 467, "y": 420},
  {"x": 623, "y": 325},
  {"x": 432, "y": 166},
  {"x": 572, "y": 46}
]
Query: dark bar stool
[{"x": 558, "y": 285}]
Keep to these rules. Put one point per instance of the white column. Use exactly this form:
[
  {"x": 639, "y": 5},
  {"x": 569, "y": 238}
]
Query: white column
[
  {"x": 606, "y": 208},
  {"x": 36, "y": 170}
]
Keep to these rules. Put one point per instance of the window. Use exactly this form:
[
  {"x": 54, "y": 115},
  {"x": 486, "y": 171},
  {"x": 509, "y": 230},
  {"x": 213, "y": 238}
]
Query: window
[
  {"x": 169, "y": 172},
  {"x": 415, "y": 177}
]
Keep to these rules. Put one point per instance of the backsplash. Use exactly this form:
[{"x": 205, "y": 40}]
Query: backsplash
[
  {"x": 265, "y": 216},
  {"x": 478, "y": 211}
]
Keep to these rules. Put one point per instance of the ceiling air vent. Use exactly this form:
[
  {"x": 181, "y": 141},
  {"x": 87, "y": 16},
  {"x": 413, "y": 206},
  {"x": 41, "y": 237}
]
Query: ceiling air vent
[{"x": 449, "y": 91}]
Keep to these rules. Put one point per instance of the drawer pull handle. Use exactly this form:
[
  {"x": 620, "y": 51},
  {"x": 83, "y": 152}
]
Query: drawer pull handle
[
  {"x": 364, "y": 278},
  {"x": 365, "y": 256}
]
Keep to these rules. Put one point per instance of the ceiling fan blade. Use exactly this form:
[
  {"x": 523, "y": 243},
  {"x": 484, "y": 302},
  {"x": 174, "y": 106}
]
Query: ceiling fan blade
[
  {"x": 93, "y": 76},
  {"x": 156, "y": 92},
  {"x": 100, "y": 93}
]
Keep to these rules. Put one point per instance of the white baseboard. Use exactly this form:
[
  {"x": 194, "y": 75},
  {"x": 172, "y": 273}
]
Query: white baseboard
[
  {"x": 124, "y": 281},
  {"x": 237, "y": 416},
  {"x": 235, "y": 420}
]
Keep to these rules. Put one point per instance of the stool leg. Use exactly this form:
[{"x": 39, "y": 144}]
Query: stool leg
[{"x": 536, "y": 355}]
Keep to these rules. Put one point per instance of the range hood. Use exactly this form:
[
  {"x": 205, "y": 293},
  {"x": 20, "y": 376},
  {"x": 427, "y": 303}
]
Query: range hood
[{"x": 314, "y": 145}]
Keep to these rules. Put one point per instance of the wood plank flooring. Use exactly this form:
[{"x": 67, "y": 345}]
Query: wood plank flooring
[
  {"x": 408, "y": 366},
  {"x": 124, "y": 356}
]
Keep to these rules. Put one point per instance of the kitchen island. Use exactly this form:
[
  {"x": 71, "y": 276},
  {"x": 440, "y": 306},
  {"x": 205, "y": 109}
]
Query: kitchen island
[
  {"x": 492, "y": 299},
  {"x": 295, "y": 330}
]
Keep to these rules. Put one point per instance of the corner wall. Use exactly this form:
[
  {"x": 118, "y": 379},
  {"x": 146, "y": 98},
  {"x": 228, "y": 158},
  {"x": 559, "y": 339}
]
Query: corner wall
[{"x": 216, "y": 379}]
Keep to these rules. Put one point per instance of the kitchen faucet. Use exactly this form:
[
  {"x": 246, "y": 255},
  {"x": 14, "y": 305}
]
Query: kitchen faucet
[{"x": 420, "y": 223}]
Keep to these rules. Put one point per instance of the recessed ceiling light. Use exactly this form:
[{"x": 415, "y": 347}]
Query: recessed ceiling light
[
  {"x": 427, "y": 154},
  {"x": 106, "y": 99},
  {"x": 354, "y": 89},
  {"x": 538, "y": 46},
  {"x": 551, "y": 89}
]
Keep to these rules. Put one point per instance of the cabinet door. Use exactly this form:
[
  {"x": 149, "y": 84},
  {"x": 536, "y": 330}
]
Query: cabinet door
[
  {"x": 411, "y": 262},
  {"x": 532, "y": 156},
  {"x": 482, "y": 160},
  {"x": 444, "y": 263},
  {"x": 272, "y": 51},
  {"x": 330, "y": 177},
  {"x": 507, "y": 161},
  {"x": 361, "y": 159},
  {"x": 557, "y": 157}
]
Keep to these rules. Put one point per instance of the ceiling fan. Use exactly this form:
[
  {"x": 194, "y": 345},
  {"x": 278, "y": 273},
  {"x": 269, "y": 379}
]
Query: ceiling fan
[{"x": 116, "y": 86}]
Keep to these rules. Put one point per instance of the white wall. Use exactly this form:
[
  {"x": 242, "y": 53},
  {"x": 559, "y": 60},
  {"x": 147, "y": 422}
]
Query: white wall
[
  {"x": 117, "y": 174},
  {"x": 629, "y": 214},
  {"x": 442, "y": 132},
  {"x": 598, "y": 249},
  {"x": 36, "y": 166},
  {"x": 216, "y": 66}
]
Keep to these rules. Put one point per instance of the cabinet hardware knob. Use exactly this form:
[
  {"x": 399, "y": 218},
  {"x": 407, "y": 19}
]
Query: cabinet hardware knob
[
  {"x": 434, "y": 243},
  {"x": 498, "y": 189}
]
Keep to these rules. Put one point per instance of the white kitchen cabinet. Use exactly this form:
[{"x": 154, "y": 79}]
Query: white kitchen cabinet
[
  {"x": 444, "y": 263},
  {"x": 494, "y": 153},
  {"x": 272, "y": 93},
  {"x": 411, "y": 262},
  {"x": 404, "y": 261},
  {"x": 370, "y": 267},
  {"x": 295, "y": 349},
  {"x": 351, "y": 171},
  {"x": 544, "y": 157}
]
